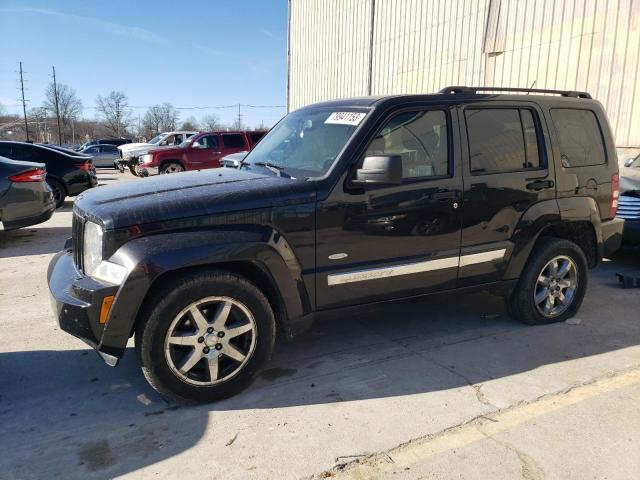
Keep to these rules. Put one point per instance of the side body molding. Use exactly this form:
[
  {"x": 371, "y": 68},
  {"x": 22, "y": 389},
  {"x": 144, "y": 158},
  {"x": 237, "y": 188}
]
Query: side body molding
[{"x": 149, "y": 258}]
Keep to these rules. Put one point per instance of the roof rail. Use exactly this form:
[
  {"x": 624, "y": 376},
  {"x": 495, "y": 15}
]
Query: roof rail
[{"x": 473, "y": 90}]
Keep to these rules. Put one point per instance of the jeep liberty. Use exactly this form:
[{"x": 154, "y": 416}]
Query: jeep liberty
[{"x": 342, "y": 204}]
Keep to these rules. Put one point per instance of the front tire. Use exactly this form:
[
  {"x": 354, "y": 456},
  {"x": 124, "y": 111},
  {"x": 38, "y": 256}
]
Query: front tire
[
  {"x": 134, "y": 170},
  {"x": 552, "y": 285},
  {"x": 171, "y": 167},
  {"x": 206, "y": 338}
]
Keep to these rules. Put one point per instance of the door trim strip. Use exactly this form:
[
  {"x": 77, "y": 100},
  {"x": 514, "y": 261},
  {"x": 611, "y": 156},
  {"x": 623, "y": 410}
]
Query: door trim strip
[
  {"x": 415, "y": 267},
  {"x": 393, "y": 271},
  {"x": 482, "y": 257}
]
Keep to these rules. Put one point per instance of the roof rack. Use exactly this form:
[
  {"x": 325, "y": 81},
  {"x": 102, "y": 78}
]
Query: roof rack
[{"x": 473, "y": 90}]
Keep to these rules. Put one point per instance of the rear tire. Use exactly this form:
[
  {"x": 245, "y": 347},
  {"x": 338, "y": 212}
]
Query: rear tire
[
  {"x": 59, "y": 192},
  {"x": 204, "y": 336},
  {"x": 552, "y": 285}
]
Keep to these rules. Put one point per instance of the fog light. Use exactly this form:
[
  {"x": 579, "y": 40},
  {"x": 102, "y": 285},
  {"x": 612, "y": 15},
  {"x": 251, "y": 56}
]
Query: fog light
[{"x": 106, "y": 306}]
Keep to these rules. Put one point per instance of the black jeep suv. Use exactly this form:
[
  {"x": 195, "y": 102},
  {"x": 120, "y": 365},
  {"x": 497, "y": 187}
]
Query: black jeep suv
[{"x": 343, "y": 203}]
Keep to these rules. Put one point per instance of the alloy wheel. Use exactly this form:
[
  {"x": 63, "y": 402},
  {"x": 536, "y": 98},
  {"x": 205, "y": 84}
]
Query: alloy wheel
[
  {"x": 556, "y": 286},
  {"x": 210, "y": 341},
  {"x": 172, "y": 168}
]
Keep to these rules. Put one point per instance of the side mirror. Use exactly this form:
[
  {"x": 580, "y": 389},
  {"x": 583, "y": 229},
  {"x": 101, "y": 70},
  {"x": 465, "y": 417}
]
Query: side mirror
[
  {"x": 163, "y": 143},
  {"x": 382, "y": 170},
  {"x": 628, "y": 162},
  {"x": 195, "y": 145}
]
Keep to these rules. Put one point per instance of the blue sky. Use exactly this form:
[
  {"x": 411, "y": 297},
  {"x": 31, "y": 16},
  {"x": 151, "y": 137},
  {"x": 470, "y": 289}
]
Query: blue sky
[{"x": 196, "y": 53}]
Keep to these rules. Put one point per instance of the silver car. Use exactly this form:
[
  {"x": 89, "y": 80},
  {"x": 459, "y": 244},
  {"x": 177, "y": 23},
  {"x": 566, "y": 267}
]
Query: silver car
[{"x": 103, "y": 155}]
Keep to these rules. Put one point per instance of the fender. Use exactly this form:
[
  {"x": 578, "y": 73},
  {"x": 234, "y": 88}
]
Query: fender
[
  {"x": 536, "y": 218},
  {"x": 147, "y": 258},
  {"x": 544, "y": 216}
]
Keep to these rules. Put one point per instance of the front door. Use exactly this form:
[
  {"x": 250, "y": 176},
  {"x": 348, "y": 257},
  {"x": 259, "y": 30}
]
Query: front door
[
  {"x": 391, "y": 241},
  {"x": 204, "y": 152},
  {"x": 506, "y": 172}
]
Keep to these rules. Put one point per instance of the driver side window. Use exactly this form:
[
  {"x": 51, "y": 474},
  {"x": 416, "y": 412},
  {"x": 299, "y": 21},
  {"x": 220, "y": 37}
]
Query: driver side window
[
  {"x": 208, "y": 141},
  {"x": 420, "y": 139}
]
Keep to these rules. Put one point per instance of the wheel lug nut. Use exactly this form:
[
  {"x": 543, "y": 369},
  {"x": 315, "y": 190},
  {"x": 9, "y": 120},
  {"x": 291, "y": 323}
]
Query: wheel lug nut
[
  {"x": 220, "y": 334},
  {"x": 200, "y": 339},
  {"x": 218, "y": 346},
  {"x": 205, "y": 349},
  {"x": 210, "y": 330}
]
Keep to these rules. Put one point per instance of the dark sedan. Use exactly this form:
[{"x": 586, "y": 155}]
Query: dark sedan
[
  {"x": 25, "y": 197},
  {"x": 67, "y": 175}
]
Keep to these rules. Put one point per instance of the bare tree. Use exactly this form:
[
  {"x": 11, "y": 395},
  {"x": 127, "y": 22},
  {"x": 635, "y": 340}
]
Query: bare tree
[
  {"x": 116, "y": 112},
  {"x": 69, "y": 105},
  {"x": 211, "y": 123},
  {"x": 190, "y": 124},
  {"x": 160, "y": 118}
]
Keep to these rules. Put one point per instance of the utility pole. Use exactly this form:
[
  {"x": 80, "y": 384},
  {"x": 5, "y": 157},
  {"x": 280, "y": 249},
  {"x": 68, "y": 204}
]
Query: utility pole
[
  {"x": 24, "y": 105},
  {"x": 239, "y": 118},
  {"x": 55, "y": 93}
]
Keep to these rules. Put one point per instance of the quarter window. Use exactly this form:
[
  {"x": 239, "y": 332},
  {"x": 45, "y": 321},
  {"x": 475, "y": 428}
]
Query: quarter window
[
  {"x": 579, "y": 136},
  {"x": 502, "y": 140},
  {"x": 420, "y": 139}
]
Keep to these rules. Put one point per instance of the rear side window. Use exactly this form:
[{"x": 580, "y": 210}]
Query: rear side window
[
  {"x": 110, "y": 148},
  {"x": 502, "y": 140},
  {"x": 256, "y": 136},
  {"x": 233, "y": 140},
  {"x": 580, "y": 137}
]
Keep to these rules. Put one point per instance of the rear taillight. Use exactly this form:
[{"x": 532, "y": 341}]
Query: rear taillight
[
  {"x": 33, "y": 175},
  {"x": 615, "y": 193},
  {"x": 86, "y": 166}
]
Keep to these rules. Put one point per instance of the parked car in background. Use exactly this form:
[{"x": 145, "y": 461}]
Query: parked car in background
[
  {"x": 63, "y": 149},
  {"x": 130, "y": 154},
  {"x": 25, "y": 197},
  {"x": 103, "y": 155},
  {"x": 233, "y": 160},
  {"x": 493, "y": 192},
  {"x": 629, "y": 201},
  {"x": 105, "y": 141},
  {"x": 200, "y": 152},
  {"x": 67, "y": 175}
]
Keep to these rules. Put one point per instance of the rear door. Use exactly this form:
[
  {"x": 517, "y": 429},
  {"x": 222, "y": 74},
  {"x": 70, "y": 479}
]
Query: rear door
[
  {"x": 506, "y": 171},
  {"x": 233, "y": 143}
]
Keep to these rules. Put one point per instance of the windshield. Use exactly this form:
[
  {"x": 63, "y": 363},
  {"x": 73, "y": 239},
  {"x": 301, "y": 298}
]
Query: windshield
[
  {"x": 305, "y": 143},
  {"x": 156, "y": 139}
]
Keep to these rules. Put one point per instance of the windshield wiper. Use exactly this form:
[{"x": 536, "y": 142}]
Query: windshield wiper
[{"x": 273, "y": 167}]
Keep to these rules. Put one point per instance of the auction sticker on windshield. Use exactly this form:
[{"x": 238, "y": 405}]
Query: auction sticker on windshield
[{"x": 345, "y": 118}]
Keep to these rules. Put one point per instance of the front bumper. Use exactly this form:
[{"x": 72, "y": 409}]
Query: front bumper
[
  {"x": 77, "y": 300},
  {"x": 611, "y": 236}
]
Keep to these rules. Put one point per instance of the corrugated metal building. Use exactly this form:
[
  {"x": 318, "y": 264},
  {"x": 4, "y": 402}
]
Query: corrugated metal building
[{"x": 340, "y": 48}]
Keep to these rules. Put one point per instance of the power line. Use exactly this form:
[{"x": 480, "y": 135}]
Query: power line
[{"x": 212, "y": 107}]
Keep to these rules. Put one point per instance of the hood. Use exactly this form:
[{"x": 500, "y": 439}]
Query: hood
[
  {"x": 189, "y": 194},
  {"x": 629, "y": 179},
  {"x": 132, "y": 146},
  {"x": 168, "y": 150}
]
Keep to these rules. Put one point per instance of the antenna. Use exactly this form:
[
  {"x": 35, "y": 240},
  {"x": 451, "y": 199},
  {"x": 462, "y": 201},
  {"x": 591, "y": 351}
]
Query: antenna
[{"x": 532, "y": 85}]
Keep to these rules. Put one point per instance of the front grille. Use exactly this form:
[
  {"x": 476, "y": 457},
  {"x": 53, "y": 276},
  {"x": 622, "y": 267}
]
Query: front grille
[
  {"x": 77, "y": 233},
  {"x": 628, "y": 207}
]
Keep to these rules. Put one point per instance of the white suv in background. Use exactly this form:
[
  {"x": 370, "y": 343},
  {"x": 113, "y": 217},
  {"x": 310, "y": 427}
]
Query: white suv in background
[{"x": 130, "y": 152}]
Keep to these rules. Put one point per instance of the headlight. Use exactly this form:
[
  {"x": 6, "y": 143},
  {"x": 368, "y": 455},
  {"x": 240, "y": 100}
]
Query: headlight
[
  {"x": 92, "y": 248},
  {"x": 145, "y": 158},
  {"x": 94, "y": 266}
]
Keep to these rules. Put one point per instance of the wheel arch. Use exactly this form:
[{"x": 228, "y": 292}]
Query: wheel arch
[{"x": 171, "y": 160}]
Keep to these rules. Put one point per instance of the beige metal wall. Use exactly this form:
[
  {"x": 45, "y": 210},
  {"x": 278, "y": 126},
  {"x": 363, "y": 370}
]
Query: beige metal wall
[{"x": 423, "y": 45}]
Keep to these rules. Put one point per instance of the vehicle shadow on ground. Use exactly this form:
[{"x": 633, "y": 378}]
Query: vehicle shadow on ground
[
  {"x": 33, "y": 241},
  {"x": 111, "y": 423}
]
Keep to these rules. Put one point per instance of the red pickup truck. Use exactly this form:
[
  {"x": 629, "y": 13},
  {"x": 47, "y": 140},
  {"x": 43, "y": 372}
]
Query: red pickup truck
[{"x": 203, "y": 150}]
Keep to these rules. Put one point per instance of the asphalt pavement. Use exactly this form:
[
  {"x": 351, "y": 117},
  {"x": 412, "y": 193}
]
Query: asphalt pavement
[{"x": 446, "y": 388}]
